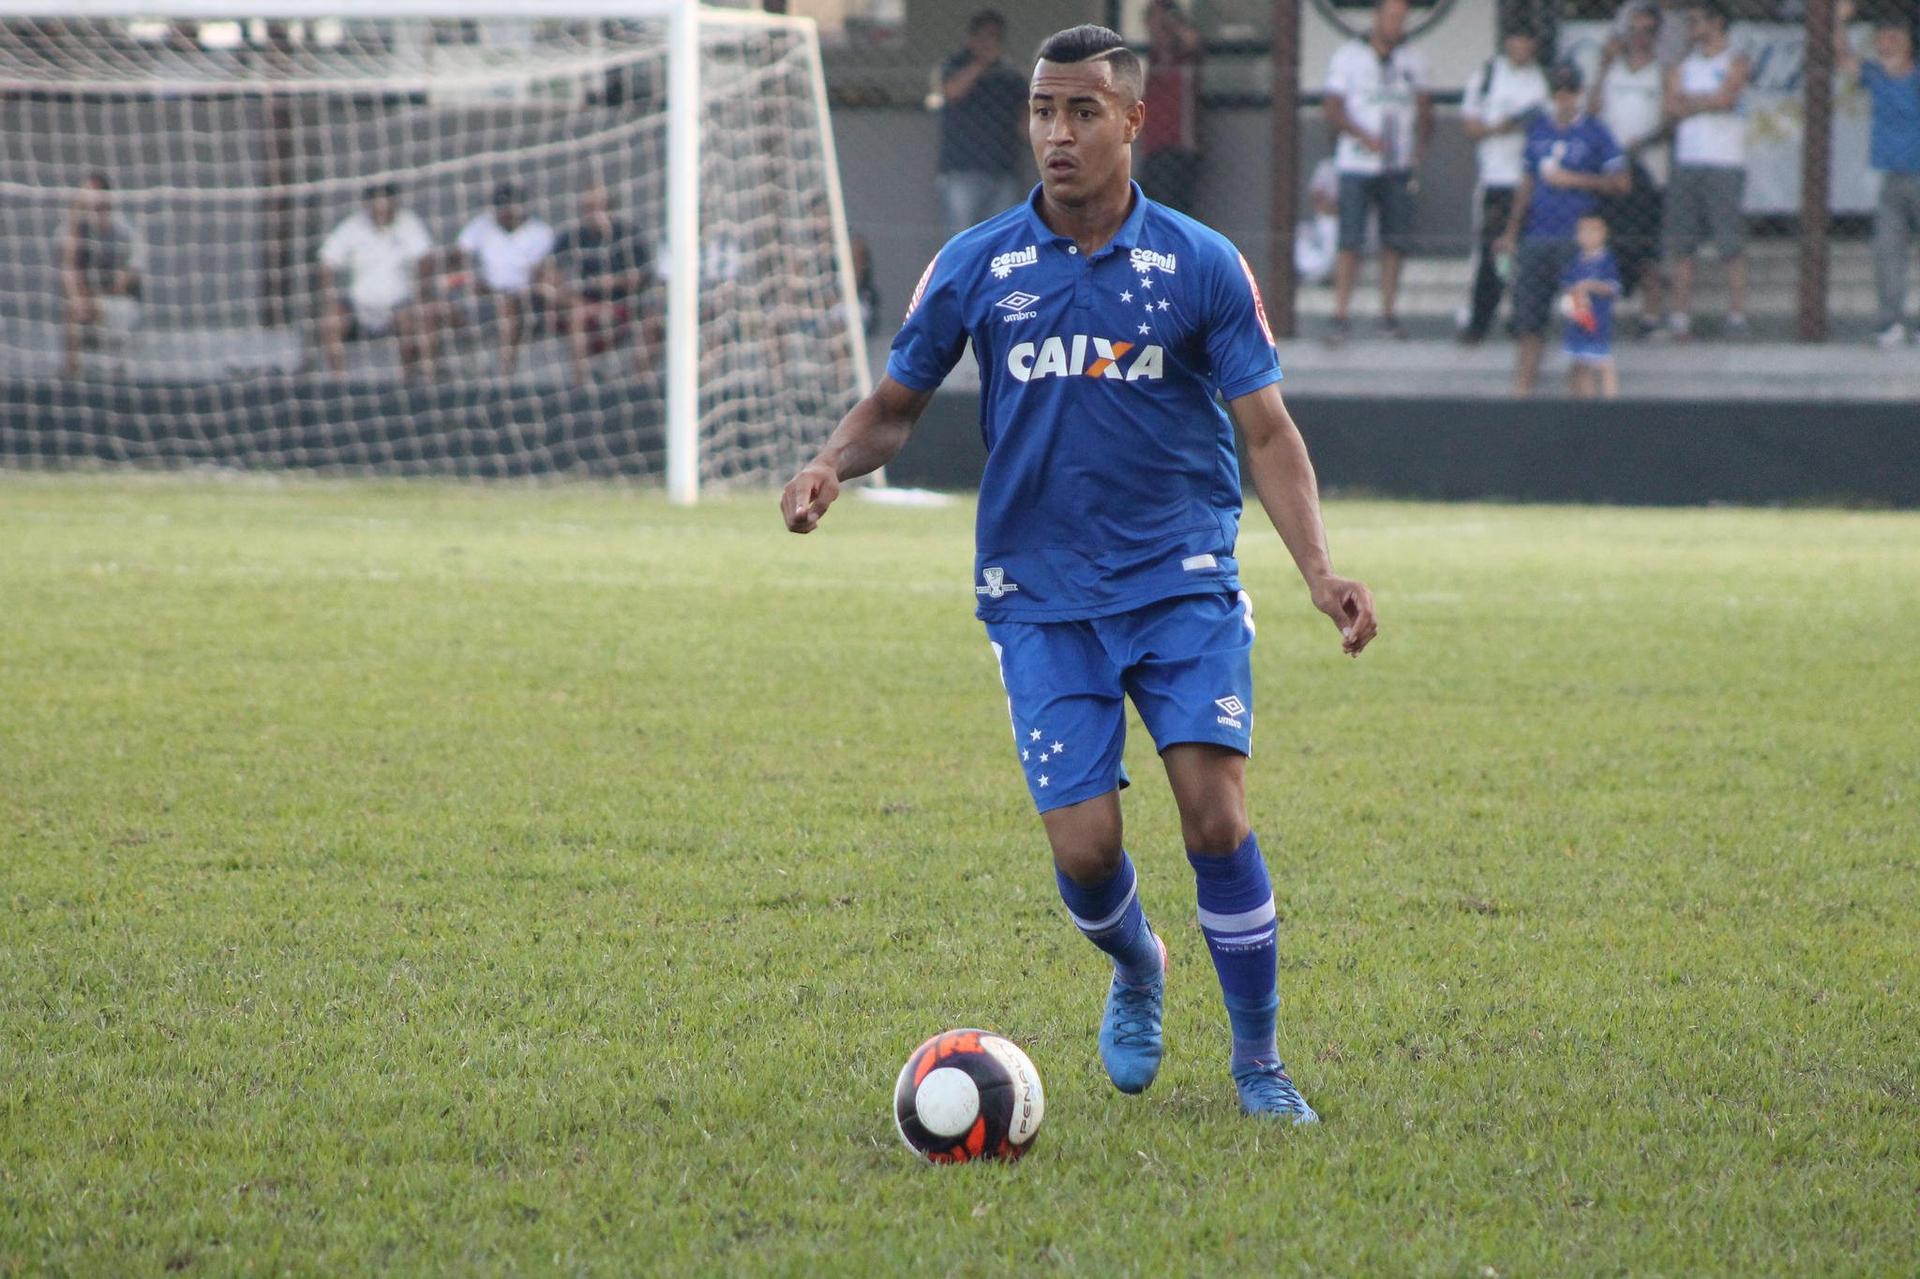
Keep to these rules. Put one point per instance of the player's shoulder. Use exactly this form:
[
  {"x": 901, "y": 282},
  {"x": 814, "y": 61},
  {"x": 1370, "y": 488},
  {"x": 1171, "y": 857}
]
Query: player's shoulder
[
  {"x": 1006, "y": 239},
  {"x": 1185, "y": 239}
]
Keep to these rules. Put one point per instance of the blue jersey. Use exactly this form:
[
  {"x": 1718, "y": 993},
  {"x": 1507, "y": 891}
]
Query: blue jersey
[
  {"x": 1585, "y": 146},
  {"x": 1594, "y": 338},
  {"x": 1111, "y": 480}
]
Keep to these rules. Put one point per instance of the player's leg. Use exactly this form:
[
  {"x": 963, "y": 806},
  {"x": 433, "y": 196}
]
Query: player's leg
[
  {"x": 333, "y": 337},
  {"x": 1396, "y": 230},
  {"x": 1065, "y": 703},
  {"x": 1352, "y": 239},
  {"x": 1193, "y": 686}
]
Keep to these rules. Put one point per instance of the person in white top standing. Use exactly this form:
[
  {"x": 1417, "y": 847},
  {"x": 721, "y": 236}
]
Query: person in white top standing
[
  {"x": 508, "y": 247},
  {"x": 1379, "y": 104},
  {"x": 387, "y": 256},
  {"x": 1630, "y": 100},
  {"x": 1709, "y": 166},
  {"x": 1500, "y": 98}
]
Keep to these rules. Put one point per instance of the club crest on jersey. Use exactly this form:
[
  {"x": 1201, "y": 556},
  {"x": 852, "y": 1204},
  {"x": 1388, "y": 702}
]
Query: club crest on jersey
[
  {"x": 1144, "y": 258},
  {"x": 1003, "y": 264},
  {"x": 997, "y": 586},
  {"x": 1069, "y": 357}
]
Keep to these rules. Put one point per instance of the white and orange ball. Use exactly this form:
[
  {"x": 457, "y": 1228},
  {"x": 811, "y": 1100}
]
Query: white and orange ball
[{"x": 968, "y": 1094}]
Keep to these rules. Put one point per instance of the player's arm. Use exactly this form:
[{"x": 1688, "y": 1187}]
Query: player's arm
[
  {"x": 871, "y": 434},
  {"x": 1283, "y": 476}
]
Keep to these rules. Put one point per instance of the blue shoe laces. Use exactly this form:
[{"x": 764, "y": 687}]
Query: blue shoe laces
[
  {"x": 1136, "y": 1018},
  {"x": 1270, "y": 1088}
]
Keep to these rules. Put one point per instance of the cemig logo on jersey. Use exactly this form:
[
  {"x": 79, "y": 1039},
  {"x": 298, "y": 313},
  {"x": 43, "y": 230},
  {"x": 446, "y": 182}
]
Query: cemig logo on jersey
[
  {"x": 1144, "y": 258},
  {"x": 1003, "y": 264},
  {"x": 1020, "y": 304},
  {"x": 1067, "y": 357}
]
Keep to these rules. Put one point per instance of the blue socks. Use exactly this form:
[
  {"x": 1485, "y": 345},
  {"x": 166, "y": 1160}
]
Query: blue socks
[
  {"x": 1109, "y": 915},
  {"x": 1237, "y": 919}
]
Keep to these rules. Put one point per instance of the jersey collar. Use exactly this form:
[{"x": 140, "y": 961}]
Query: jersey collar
[{"x": 1127, "y": 237}]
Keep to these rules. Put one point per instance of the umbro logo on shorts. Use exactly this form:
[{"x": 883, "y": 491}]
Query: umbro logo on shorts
[{"x": 1233, "y": 709}]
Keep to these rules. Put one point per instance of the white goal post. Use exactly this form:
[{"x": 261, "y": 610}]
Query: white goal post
[{"x": 753, "y": 311}]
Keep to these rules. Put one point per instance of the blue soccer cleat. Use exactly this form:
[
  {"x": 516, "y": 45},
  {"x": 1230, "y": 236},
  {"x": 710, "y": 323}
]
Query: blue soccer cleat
[
  {"x": 1268, "y": 1092},
  {"x": 1130, "y": 1040}
]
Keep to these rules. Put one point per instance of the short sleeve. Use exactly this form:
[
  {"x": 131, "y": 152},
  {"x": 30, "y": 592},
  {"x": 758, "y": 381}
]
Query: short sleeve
[
  {"x": 415, "y": 239},
  {"x": 1239, "y": 340},
  {"x": 1339, "y": 78},
  {"x": 1473, "y": 101},
  {"x": 934, "y": 332},
  {"x": 473, "y": 235},
  {"x": 336, "y": 248}
]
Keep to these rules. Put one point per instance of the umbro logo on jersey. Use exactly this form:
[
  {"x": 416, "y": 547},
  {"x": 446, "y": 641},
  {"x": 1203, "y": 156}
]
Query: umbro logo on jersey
[
  {"x": 1144, "y": 258},
  {"x": 1019, "y": 305},
  {"x": 1069, "y": 357},
  {"x": 1003, "y": 264}
]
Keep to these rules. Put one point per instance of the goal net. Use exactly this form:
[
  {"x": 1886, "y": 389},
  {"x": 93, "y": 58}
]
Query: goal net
[{"x": 413, "y": 243}]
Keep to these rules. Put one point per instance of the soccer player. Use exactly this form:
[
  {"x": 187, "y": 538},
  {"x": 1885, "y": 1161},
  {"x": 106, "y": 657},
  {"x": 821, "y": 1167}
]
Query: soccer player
[{"x": 1105, "y": 325}]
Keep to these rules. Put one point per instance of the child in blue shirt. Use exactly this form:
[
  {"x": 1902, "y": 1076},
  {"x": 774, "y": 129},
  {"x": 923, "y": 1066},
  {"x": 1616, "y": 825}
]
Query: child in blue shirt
[{"x": 1591, "y": 283}]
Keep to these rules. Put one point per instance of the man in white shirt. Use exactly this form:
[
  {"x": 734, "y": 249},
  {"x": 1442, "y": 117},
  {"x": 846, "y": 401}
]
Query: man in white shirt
[
  {"x": 1377, "y": 101},
  {"x": 1500, "y": 98},
  {"x": 387, "y": 256},
  {"x": 506, "y": 247},
  {"x": 1709, "y": 166},
  {"x": 1630, "y": 99}
]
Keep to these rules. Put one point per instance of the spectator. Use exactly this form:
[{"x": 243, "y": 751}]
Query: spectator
[
  {"x": 1709, "y": 166},
  {"x": 1592, "y": 282},
  {"x": 982, "y": 126},
  {"x": 597, "y": 278},
  {"x": 1381, "y": 112},
  {"x": 388, "y": 258},
  {"x": 1893, "y": 82},
  {"x": 508, "y": 248},
  {"x": 102, "y": 258},
  {"x": 1630, "y": 101},
  {"x": 1500, "y": 99},
  {"x": 1317, "y": 239},
  {"x": 1570, "y": 161},
  {"x": 1672, "y": 39},
  {"x": 1168, "y": 147}
]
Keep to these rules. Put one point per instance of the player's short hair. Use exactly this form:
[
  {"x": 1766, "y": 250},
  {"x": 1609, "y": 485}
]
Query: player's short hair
[
  {"x": 1090, "y": 42},
  {"x": 1715, "y": 9},
  {"x": 987, "y": 18}
]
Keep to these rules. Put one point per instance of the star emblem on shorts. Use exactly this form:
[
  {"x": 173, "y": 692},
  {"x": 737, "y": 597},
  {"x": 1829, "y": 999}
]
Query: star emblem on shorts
[
  {"x": 1164, "y": 304},
  {"x": 1024, "y": 755},
  {"x": 1034, "y": 736},
  {"x": 1146, "y": 328},
  {"x": 1045, "y": 781},
  {"x": 1044, "y": 757},
  {"x": 1126, "y": 295},
  {"x": 1059, "y": 749}
]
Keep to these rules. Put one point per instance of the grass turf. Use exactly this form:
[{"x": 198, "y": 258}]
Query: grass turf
[{"x": 482, "y": 880}]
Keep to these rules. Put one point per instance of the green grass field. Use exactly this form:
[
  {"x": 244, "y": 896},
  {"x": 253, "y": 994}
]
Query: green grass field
[{"x": 456, "y": 880}]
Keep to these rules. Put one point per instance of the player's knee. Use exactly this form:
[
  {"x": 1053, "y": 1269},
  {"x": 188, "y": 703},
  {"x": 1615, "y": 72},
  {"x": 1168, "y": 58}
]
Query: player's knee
[{"x": 1215, "y": 832}]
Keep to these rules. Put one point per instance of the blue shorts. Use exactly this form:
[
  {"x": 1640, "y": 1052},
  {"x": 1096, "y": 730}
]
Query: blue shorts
[{"x": 1186, "y": 662}]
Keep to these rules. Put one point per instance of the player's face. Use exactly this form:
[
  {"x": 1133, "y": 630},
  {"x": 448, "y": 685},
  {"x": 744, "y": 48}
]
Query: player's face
[
  {"x": 1390, "y": 20},
  {"x": 1892, "y": 45},
  {"x": 1081, "y": 126}
]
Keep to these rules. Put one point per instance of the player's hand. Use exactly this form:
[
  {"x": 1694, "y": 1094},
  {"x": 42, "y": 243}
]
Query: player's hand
[
  {"x": 807, "y": 497},
  {"x": 1350, "y": 604}
]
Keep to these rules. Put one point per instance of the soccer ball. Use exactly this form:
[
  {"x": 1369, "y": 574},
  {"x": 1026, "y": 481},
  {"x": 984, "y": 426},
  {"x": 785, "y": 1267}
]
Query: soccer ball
[{"x": 968, "y": 1094}]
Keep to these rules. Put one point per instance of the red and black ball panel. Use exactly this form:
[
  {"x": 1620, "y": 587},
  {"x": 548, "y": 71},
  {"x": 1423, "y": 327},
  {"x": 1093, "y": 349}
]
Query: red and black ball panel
[{"x": 968, "y": 1094}]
